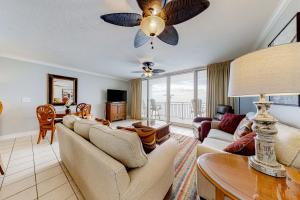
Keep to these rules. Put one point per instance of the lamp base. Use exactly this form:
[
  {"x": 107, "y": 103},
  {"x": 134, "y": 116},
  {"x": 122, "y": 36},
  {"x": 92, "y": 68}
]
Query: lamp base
[
  {"x": 276, "y": 171},
  {"x": 264, "y": 126}
]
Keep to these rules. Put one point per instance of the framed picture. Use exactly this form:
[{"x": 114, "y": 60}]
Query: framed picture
[
  {"x": 289, "y": 34},
  {"x": 61, "y": 88}
]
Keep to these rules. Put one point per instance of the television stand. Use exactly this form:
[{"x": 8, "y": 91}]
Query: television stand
[{"x": 116, "y": 111}]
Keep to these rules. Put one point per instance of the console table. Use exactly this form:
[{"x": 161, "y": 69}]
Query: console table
[{"x": 232, "y": 177}]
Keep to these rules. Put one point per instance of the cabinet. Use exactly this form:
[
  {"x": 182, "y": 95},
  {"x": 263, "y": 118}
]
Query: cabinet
[{"x": 116, "y": 111}]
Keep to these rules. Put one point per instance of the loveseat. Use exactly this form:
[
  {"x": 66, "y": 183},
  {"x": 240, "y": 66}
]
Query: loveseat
[
  {"x": 287, "y": 149},
  {"x": 100, "y": 162}
]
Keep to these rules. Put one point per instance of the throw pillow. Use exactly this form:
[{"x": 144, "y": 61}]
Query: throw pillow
[
  {"x": 147, "y": 136},
  {"x": 244, "y": 146},
  {"x": 230, "y": 122},
  {"x": 243, "y": 128}
]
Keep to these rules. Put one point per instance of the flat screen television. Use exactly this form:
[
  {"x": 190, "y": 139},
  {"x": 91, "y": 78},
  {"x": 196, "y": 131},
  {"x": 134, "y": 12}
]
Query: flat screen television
[{"x": 116, "y": 95}]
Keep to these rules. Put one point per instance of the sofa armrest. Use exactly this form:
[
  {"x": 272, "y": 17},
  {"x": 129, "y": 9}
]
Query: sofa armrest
[
  {"x": 215, "y": 124},
  {"x": 205, "y": 128},
  {"x": 201, "y": 119},
  {"x": 160, "y": 164}
]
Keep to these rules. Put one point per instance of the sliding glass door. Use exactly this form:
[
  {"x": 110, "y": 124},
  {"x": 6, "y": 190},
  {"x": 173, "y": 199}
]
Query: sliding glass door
[
  {"x": 158, "y": 98},
  {"x": 182, "y": 109},
  {"x": 175, "y": 98},
  {"x": 202, "y": 88}
]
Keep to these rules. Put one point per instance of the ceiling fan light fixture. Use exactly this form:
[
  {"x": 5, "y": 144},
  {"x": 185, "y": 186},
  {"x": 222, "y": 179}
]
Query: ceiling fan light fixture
[
  {"x": 153, "y": 25},
  {"x": 148, "y": 74}
]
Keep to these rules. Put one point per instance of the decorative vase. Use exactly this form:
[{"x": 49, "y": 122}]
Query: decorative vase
[{"x": 68, "y": 111}]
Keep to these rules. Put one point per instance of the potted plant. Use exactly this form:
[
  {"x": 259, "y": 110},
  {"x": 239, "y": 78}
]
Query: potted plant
[{"x": 68, "y": 104}]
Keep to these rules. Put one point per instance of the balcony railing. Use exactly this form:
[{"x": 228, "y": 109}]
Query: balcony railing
[{"x": 178, "y": 111}]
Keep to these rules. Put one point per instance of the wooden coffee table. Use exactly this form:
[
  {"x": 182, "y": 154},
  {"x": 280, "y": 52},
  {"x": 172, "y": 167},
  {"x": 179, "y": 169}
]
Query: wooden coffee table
[
  {"x": 232, "y": 177},
  {"x": 162, "y": 129},
  {"x": 1, "y": 167}
]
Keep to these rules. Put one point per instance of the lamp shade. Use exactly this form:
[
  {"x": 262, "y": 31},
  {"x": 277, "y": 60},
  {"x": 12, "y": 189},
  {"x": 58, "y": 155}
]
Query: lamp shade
[{"x": 271, "y": 71}]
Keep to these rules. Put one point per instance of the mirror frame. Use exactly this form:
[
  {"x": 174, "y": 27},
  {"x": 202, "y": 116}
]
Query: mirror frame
[{"x": 51, "y": 77}]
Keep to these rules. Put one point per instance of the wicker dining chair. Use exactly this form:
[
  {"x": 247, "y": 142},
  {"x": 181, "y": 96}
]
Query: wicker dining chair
[
  {"x": 46, "y": 117},
  {"x": 83, "y": 109}
]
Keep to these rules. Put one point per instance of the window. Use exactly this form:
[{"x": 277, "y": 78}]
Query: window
[
  {"x": 177, "y": 98},
  {"x": 158, "y": 98}
]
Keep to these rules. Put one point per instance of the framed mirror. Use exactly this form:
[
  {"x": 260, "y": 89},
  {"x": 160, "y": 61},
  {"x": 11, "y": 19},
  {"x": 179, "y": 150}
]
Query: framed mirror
[{"x": 61, "y": 88}]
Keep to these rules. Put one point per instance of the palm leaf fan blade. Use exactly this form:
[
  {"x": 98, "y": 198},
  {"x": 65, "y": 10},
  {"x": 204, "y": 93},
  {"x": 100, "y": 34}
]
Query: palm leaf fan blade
[
  {"x": 146, "y": 4},
  {"x": 140, "y": 39},
  {"x": 169, "y": 36},
  {"x": 178, "y": 11},
  {"x": 123, "y": 19}
]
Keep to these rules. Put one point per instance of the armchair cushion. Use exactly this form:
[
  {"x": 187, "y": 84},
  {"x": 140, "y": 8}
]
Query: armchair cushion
[{"x": 230, "y": 122}]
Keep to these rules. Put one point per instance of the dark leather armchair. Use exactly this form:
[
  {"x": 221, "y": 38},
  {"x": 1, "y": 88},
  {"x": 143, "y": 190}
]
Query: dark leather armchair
[
  {"x": 221, "y": 110},
  {"x": 201, "y": 125}
]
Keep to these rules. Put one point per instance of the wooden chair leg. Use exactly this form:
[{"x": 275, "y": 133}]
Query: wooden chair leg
[
  {"x": 52, "y": 135},
  {"x": 44, "y": 132},
  {"x": 40, "y": 136}
]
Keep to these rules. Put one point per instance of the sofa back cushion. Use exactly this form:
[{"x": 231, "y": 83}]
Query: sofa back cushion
[
  {"x": 69, "y": 121},
  {"x": 230, "y": 122},
  {"x": 122, "y": 145},
  {"x": 82, "y": 127},
  {"x": 288, "y": 145}
]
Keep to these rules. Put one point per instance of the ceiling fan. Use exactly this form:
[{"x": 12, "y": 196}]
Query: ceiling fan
[
  {"x": 158, "y": 19},
  {"x": 148, "y": 70}
]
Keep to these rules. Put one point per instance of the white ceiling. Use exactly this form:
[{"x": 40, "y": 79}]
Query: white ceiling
[{"x": 69, "y": 33}]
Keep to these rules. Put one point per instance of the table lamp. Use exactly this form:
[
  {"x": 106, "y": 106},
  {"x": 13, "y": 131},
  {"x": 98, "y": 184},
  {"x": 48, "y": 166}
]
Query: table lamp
[{"x": 271, "y": 71}]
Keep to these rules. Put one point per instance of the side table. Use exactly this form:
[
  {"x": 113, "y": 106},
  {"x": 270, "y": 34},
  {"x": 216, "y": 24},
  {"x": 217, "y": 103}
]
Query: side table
[{"x": 232, "y": 177}]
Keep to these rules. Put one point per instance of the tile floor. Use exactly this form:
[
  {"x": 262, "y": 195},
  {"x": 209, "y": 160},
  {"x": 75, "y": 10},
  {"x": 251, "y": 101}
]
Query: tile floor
[{"x": 36, "y": 172}]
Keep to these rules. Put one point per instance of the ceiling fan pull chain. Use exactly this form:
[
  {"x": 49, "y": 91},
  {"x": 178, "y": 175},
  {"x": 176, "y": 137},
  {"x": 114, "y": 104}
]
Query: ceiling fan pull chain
[{"x": 152, "y": 45}]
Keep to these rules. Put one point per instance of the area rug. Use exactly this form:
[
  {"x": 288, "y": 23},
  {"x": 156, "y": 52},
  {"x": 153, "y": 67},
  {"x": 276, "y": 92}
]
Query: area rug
[{"x": 184, "y": 185}]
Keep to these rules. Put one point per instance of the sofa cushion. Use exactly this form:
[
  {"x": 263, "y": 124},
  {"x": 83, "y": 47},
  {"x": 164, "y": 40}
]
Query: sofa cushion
[
  {"x": 288, "y": 145},
  {"x": 215, "y": 143},
  {"x": 83, "y": 126},
  {"x": 122, "y": 145},
  {"x": 220, "y": 135},
  {"x": 69, "y": 121},
  {"x": 244, "y": 146},
  {"x": 230, "y": 122},
  {"x": 147, "y": 136}
]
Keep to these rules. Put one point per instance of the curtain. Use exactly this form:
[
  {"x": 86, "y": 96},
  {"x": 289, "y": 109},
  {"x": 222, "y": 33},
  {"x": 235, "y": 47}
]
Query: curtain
[
  {"x": 136, "y": 98},
  {"x": 217, "y": 87}
]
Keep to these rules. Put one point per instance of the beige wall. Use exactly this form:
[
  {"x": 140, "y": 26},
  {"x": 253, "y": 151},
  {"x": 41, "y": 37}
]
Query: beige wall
[
  {"x": 20, "y": 80},
  {"x": 246, "y": 104}
]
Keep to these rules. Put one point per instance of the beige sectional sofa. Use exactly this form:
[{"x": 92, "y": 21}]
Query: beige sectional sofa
[
  {"x": 287, "y": 150},
  {"x": 98, "y": 157}
]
